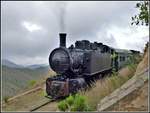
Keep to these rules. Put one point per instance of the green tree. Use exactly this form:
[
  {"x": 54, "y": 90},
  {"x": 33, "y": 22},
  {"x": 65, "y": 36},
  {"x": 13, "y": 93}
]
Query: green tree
[{"x": 143, "y": 17}]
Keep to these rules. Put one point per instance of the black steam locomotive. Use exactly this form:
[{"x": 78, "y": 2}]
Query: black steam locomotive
[{"x": 78, "y": 66}]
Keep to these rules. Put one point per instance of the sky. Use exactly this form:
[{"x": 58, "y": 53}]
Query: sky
[{"x": 30, "y": 30}]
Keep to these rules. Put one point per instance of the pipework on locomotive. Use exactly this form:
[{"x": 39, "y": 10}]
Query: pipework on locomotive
[{"x": 78, "y": 66}]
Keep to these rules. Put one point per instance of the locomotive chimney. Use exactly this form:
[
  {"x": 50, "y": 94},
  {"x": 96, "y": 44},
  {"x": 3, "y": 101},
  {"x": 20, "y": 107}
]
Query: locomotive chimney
[{"x": 62, "y": 37}]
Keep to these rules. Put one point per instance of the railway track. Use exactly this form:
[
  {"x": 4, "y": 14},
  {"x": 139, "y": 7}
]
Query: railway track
[
  {"x": 25, "y": 93},
  {"x": 43, "y": 102}
]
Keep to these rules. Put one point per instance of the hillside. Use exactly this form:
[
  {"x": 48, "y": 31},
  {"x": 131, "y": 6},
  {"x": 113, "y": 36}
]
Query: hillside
[
  {"x": 16, "y": 79},
  {"x": 11, "y": 64},
  {"x": 36, "y": 66}
]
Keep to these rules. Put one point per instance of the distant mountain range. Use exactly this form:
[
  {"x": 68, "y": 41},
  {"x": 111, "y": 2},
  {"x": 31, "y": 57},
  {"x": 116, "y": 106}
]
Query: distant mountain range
[
  {"x": 13, "y": 65},
  {"x": 17, "y": 77},
  {"x": 36, "y": 66},
  {"x": 10, "y": 64}
]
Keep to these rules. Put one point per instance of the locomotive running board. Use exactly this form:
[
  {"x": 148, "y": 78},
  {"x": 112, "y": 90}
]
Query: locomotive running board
[
  {"x": 98, "y": 72},
  {"x": 92, "y": 78}
]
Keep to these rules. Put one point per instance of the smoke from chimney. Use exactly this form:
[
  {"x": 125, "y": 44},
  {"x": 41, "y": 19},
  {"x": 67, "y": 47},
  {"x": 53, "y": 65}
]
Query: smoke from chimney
[{"x": 62, "y": 14}]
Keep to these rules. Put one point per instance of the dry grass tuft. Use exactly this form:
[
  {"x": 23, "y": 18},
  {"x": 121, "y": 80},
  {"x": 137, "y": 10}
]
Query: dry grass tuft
[{"x": 104, "y": 87}]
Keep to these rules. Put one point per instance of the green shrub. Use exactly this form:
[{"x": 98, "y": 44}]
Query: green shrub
[
  {"x": 70, "y": 100},
  {"x": 62, "y": 105},
  {"x": 32, "y": 82},
  {"x": 79, "y": 103},
  {"x": 132, "y": 62},
  {"x": 74, "y": 103}
]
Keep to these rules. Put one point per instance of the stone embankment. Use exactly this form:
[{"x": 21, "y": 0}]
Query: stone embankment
[{"x": 126, "y": 89}]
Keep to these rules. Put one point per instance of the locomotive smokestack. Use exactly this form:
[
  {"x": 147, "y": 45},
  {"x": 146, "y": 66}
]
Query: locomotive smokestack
[{"x": 62, "y": 37}]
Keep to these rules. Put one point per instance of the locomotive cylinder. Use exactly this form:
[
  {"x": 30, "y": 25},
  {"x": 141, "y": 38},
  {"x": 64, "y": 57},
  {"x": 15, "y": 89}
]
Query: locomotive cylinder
[{"x": 62, "y": 37}]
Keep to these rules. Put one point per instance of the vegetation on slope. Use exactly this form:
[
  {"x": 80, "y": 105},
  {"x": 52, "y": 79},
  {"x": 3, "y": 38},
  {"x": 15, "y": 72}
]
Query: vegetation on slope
[
  {"x": 89, "y": 99},
  {"x": 23, "y": 103},
  {"x": 74, "y": 103},
  {"x": 14, "y": 80},
  {"x": 103, "y": 88}
]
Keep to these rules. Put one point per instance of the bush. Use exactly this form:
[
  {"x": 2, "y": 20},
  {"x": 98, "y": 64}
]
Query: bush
[
  {"x": 32, "y": 82},
  {"x": 74, "y": 103},
  {"x": 62, "y": 105},
  {"x": 132, "y": 62},
  {"x": 70, "y": 100},
  {"x": 79, "y": 103}
]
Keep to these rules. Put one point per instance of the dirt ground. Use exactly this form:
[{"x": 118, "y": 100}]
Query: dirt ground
[{"x": 136, "y": 101}]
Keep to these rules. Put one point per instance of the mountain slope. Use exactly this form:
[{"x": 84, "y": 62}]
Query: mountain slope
[
  {"x": 15, "y": 79},
  {"x": 36, "y": 66},
  {"x": 10, "y": 64}
]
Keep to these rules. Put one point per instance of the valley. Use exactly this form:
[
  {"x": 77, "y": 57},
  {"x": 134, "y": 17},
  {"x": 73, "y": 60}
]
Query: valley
[{"x": 16, "y": 79}]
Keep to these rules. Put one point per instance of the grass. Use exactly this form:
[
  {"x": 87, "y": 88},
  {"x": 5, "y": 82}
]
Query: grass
[
  {"x": 15, "y": 81},
  {"x": 35, "y": 83},
  {"x": 23, "y": 102},
  {"x": 104, "y": 87}
]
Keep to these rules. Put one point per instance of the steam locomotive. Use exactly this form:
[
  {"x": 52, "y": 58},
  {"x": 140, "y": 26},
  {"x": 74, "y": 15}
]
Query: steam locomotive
[{"x": 78, "y": 66}]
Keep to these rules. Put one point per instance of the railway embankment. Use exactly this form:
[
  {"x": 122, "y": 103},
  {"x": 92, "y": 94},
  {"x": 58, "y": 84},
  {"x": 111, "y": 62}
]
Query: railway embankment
[
  {"x": 132, "y": 95},
  {"x": 126, "y": 89},
  {"x": 106, "y": 95}
]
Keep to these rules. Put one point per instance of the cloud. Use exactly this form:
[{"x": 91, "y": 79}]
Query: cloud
[{"x": 30, "y": 29}]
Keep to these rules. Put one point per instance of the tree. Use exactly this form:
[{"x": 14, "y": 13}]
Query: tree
[{"x": 143, "y": 17}]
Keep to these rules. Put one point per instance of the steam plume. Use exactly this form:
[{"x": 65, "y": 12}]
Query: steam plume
[{"x": 62, "y": 14}]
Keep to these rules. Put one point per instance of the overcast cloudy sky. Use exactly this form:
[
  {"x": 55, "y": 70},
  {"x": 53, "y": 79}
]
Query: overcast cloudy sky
[{"x": 30, "y": 29}]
